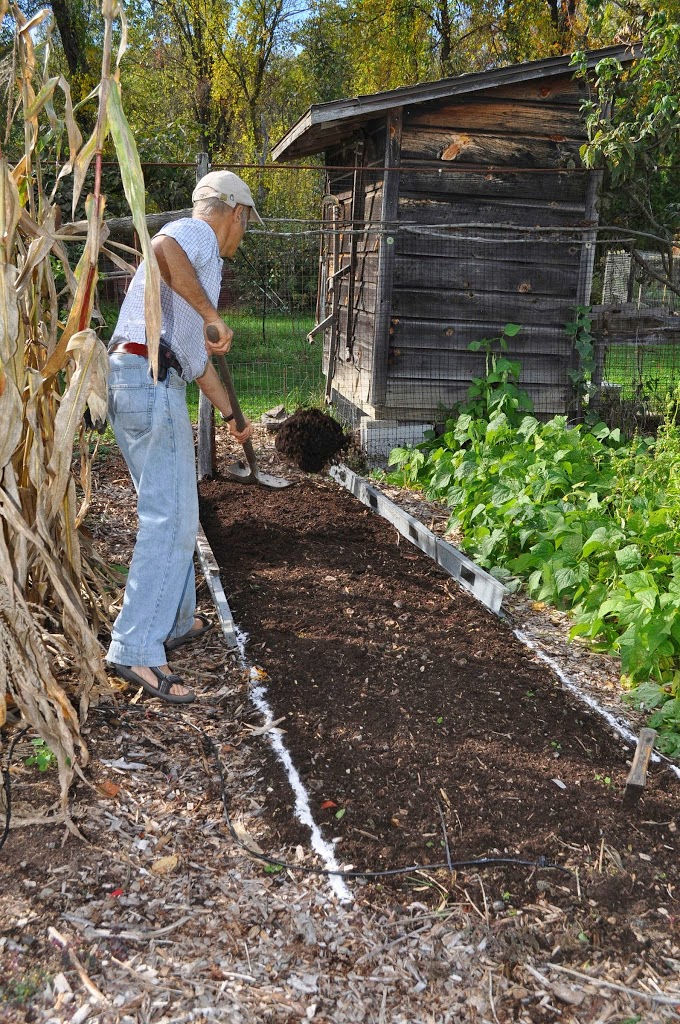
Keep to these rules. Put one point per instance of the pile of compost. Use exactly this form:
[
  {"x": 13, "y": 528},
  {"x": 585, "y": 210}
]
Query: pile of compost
[{"x": 310, "y": 439}]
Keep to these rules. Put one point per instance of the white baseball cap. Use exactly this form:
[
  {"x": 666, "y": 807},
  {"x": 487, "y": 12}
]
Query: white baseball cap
[{"x": 228, "y": 187}]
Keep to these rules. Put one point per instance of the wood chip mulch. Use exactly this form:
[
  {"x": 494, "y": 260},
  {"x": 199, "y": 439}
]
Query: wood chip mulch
[{"x": 158, "y": 917}]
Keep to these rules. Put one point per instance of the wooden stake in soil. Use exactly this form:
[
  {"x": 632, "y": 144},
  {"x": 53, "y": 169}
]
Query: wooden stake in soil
[{"x": 637, "y": 776}]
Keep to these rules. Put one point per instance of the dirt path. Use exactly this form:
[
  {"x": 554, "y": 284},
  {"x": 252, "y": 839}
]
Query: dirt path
[{"x": 170, "y": 921}]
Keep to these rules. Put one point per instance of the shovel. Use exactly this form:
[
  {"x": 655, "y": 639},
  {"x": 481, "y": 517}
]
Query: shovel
[{"x": 237, "y": 471}]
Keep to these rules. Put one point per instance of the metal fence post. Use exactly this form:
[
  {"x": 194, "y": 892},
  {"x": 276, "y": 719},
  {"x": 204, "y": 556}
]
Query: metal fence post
[{"x": 206, "y": 413}]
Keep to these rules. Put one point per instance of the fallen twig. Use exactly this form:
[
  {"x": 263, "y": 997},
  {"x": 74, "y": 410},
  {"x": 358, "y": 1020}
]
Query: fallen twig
[
  {"x": 635, "y": 993},
  {"x": 64, "y": 944},
  {"x": 151, "y": 933}
]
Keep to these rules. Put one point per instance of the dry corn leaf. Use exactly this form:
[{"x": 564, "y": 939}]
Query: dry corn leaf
[
  {"x": 133, "y": 184},
  {"x": 90, "y": 356},
  {"x": 38, "y": 250},
  {"x": 9, "y": 314},
  {"x": 11, "y": 416},
  {"x": 247, "y": 840},
  {"x": 87, "y": 276},
  {"x": 81, "y": 165}
]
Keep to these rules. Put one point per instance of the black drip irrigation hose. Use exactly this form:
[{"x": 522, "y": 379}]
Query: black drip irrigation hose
[
  {"x": 7, "y": 785},
  {"x": 541, "y": 862}
]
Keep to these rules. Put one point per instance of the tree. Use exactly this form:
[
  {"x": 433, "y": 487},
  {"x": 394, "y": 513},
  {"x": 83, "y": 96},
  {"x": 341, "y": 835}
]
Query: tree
[
  {"x": 633, "y": 124},
  {"x": 73, "y": 19}
]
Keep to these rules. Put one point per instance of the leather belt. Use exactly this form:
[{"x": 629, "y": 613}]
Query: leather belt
[
  {"x": 166, "y": 359},
  {"x": 133, "y": 347}
]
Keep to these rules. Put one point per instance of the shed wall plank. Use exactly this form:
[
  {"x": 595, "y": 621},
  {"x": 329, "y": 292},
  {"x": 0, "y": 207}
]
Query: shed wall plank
[
  {"x": 526, "y": 278},
  {"x": 519, "y": 309},
  {"x": 512, "y": 117},
  {"x": 488, "y": 247},
  {"x": 442, "y": 368},
  {"x": 524, "y": 214},
  {"x": 472, "y": 147},
  {"x": 557, "y": 91},
  {"x": 451, "y": 337},
  {"x": 565, "y": 187},
  {"x": 415, "y": 400}
]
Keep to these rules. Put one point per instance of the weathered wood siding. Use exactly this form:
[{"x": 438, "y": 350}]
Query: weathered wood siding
[
  {"x": 353, "y": 371},
  {"x": 450, "y": 290}
]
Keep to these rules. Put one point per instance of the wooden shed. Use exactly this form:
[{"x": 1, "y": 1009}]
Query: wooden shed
[{"x": 453, "y": 207}]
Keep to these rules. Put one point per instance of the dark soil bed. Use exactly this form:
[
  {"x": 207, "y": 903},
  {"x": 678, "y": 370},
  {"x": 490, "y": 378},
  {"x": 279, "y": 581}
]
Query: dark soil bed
[{"x": 405, "y": 700}]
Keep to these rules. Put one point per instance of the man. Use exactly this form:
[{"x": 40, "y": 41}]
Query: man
[{"x": 152, "y": 427}]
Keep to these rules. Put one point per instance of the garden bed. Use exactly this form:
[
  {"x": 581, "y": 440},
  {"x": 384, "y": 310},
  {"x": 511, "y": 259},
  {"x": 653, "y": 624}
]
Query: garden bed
[
  {"x": 170, "y": 919},
  {"x": 417, "y": 719}
]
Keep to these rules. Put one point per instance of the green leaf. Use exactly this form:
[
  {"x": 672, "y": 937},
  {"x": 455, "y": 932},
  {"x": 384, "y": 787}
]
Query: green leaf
[
  {"x": 512, "y": 329},
  {"x": 565, "y": 578},
  {"x": 597, "y": 539},
  {"x": 647, "y": 598},
  {"x": 133, "y": 185},
  {"x": 646, "y": 695},
  {"x": 629, "y": 556},
  {"x": 397, "y": 455}
]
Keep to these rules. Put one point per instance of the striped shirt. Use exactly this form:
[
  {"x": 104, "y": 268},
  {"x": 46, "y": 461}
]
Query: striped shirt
[{"x": 182, "y": 326}]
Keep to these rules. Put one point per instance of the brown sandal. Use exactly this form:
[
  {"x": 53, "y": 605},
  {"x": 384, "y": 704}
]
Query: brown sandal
[{"x": 165, "y": 683}]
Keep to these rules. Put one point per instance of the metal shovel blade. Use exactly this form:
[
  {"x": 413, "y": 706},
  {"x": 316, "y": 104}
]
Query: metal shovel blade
[{"x": 242, "y": 474}]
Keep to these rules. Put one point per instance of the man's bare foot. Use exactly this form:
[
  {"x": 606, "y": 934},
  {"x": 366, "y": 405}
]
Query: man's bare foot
[{"x": 145, "y": 672}]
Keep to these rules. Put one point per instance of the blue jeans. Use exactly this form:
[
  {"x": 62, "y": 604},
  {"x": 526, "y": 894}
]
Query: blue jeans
[{"x": 152, "y": 427}]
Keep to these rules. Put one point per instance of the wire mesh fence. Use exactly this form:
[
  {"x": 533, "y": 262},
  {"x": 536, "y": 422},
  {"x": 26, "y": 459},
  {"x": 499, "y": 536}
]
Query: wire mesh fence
[
  {"x": 636, "y": 310},
  {"x": 392, "y": 318}
]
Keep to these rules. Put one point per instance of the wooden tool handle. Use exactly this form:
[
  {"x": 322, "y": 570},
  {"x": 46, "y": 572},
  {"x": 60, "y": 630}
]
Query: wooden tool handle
[
  {"x": 214, "y": 335},
  {"x": 239, "y": 419}
]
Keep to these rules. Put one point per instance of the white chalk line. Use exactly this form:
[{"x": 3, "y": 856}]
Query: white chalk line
[
  {"x": 303, "y": 810},
  {"x": 621, "y": 728}
]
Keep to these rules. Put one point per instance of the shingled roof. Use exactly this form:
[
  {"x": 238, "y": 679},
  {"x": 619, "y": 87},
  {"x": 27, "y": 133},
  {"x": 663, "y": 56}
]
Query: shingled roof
[{"x": 325, "y": 124}]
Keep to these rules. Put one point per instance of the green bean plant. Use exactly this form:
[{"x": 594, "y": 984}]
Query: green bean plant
[{"x": 581, "y": 519}]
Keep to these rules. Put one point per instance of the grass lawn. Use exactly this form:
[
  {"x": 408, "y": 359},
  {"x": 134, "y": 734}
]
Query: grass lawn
[
  {"x": 648, "y": 370},
  {"x": 271, "y": 361}
]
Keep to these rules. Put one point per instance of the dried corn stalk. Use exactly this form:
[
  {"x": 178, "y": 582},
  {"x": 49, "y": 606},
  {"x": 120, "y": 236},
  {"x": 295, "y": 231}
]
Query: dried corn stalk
[{"x": 55, "y": 592}]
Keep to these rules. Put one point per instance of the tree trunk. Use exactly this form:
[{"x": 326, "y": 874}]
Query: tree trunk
[{"x": 73, "y": 36}]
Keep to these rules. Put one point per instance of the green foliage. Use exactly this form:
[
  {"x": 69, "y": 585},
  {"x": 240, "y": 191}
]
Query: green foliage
[
  {"x": 582, "y": 519},
  {"x": 497, "y": 392},
  {"x": 633, "y": 116},
  {"x": 42, "y": 757},
  {"x": 579, "y": 330}
]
